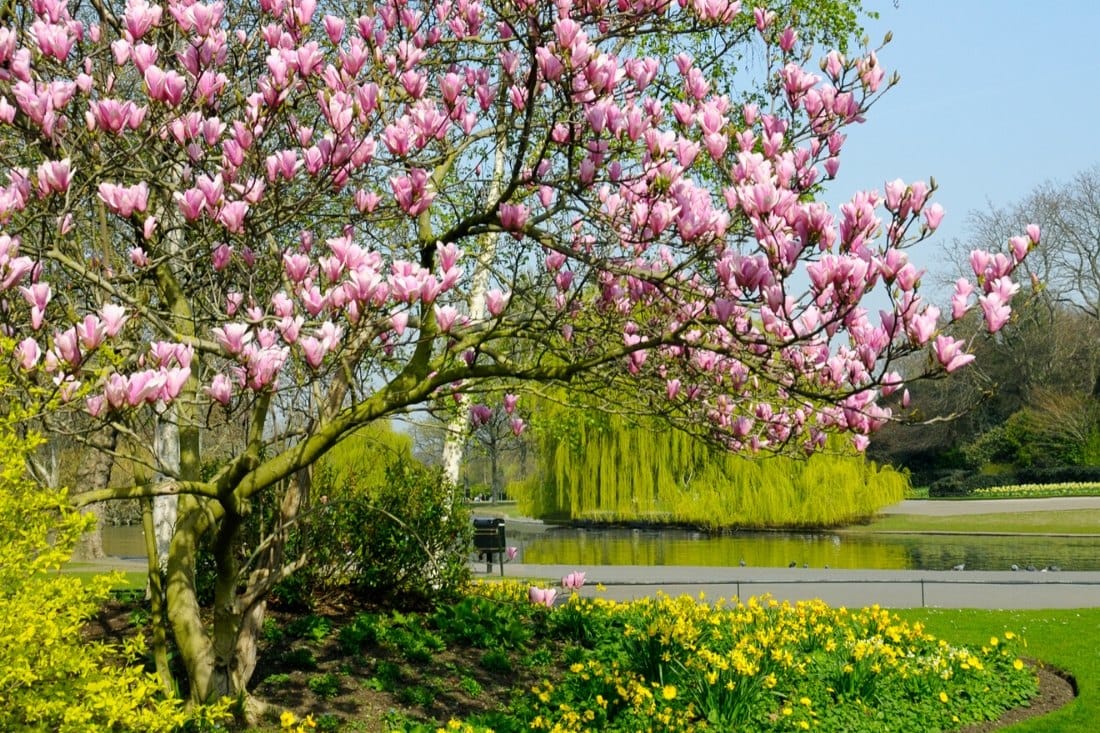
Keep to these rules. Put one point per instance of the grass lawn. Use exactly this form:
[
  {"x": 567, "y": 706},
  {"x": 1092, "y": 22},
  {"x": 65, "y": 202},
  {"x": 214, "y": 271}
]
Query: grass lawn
[
  {"x": 1068, "y": 639},
  {"x": 505, "y": 509},
  {"x": 1081, "y": 521},
  {"x": 87, "y": 571}
]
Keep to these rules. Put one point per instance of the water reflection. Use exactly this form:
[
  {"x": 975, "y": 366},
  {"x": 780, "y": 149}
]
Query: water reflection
[
  {"x": 582, "y": 547},
  {"x": 780, "y": 549}
]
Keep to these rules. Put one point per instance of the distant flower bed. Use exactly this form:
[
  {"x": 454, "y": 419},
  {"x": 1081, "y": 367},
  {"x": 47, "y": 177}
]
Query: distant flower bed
[
  {"x": 684, "y": 665},
  {"x": 1037, "y": 491}
]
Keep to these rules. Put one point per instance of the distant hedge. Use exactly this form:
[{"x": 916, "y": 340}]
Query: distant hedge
[{"x": 964, "y": 483}]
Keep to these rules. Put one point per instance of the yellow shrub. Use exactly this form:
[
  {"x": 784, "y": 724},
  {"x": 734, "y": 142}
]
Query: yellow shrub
[{"x": 50, "y": 679}]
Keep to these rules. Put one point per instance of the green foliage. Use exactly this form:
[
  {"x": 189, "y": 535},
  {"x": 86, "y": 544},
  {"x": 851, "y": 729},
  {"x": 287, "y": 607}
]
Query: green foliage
[
  {"x": 479, "y": 622},
  {"x": 361, "y": 458},
  {"x": 992, "y": 445},
  {"x": 604, "y": 468},
  {"x": 324, "y": 686},
  {"x": 386, "y": 526},
  {"x": 310, "y": 627},
  {"x": 277, "y": 680},
  {"x": 299, "y": 658},
  {"x": 470, "y": 686},
  {"x": 496, "y": 661},
  {"x": 51, "y": 678},
  {"x": 363, "y": 630},
  {"x": 329, "y": 723}
]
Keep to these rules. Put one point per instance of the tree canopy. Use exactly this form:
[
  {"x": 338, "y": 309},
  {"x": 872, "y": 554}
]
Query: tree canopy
[{"x": 273, "y": 214}]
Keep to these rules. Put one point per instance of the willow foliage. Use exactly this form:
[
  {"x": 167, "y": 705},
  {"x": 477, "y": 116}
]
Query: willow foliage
[{"x": 606, "y": 468}]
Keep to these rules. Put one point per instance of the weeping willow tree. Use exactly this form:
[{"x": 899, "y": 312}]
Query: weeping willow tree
[{"x": 605, "y": 467}]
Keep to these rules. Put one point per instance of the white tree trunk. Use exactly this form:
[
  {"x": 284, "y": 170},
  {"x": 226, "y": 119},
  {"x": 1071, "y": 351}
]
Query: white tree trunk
[
  {"x": 166, "y": 447},
  {"x": 454, "y": 442}
]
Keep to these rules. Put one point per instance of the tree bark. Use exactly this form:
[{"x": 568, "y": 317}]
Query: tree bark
[
  {"x": 454, "y": 440},
  {"x": 157, "y": 599},
  {"x": 166, "y": 448},
  {"x": 184, "y": 612},
  {"x": 94, "y": 472}
]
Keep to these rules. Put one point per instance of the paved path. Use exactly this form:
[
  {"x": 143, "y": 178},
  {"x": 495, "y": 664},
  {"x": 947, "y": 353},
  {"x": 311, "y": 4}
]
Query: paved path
[{"x": 887, "y": 588}]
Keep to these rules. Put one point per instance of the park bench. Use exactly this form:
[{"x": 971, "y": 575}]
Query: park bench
[{"x": 489, "y": 541}]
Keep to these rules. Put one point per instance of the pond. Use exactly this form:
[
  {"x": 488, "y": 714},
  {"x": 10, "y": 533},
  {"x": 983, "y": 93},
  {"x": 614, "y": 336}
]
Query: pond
[
  {"x": 814, "y": 549},
  {"x": 855, "y": 551}
]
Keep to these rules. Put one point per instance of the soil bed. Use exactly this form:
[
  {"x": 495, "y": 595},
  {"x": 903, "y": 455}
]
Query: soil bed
[{"x": 306, "y": 669}]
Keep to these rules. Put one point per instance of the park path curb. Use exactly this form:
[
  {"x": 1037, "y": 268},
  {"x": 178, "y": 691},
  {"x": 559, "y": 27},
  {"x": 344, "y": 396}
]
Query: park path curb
[{"x": 855, "y": 588}]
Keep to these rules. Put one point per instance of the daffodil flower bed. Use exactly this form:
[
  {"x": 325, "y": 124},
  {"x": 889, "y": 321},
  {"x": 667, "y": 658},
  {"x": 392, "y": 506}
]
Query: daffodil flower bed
[
  {"x": 684, "y": 665},
  {"x": 1037, "y": 491}
]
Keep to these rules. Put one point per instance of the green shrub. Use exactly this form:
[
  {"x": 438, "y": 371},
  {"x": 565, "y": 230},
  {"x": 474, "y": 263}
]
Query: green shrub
[
  {"x": 961, "y": 483},
  {"x": 401, "y": 538}
]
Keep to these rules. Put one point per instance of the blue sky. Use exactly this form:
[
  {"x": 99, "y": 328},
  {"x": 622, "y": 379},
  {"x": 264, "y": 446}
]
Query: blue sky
[{"x": 995, "y": 98}]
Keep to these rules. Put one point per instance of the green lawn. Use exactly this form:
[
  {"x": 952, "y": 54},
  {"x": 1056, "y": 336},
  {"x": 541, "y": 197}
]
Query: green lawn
[
  {"x": 87, "y": 571},
  {"x": 1068, "y": 639},
  {"x": 1082, "y": 521}
]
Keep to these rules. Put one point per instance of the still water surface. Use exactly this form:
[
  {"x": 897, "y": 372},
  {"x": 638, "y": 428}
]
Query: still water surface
[{"x": 582, "y": 547}]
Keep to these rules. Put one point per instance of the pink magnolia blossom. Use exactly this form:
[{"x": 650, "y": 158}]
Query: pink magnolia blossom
[
  {"x": 96, "y": 405},
  {"x": 54, "y": 176},
  {"x": 950, "y": 352},
  {"x": 933, "y": 215},
  {"x": 232, "y": 215},
  {"x": 496, "y": 302},
  {"x": 313, "y": 350},
  {"x": 233, "y": 336},
  {"x": 28, "y": 353},
  {"x": 220, "y": 389},
  {"x": 445, "y": 317},
  {"x": 995, "y": 309},
  {"x": 959, "y": 301},
  {"x": 114, "y": 317},
  {"x": 480, "y": 415},
  {"x": 139, "y": 257},
  {"x": 399, "y": 321},
  {"x": 140, "y": 17},
  {"x": 164, "y": 86},
  {"x": 124, "y": 200},
  {"x": 90, "y": 332}
]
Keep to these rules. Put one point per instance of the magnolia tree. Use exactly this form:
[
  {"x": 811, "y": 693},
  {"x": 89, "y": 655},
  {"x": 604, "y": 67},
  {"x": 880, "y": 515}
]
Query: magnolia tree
[{"x": 268, "y": 214}]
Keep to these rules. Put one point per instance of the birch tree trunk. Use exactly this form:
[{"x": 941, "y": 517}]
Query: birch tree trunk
[
  {"x": 454, "y": 440},
  {"x": 166, "y": 447}
]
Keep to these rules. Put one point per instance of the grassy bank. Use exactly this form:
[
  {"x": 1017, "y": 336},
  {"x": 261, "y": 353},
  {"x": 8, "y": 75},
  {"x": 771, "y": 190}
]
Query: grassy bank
[{"x": 1080, "y": 521}]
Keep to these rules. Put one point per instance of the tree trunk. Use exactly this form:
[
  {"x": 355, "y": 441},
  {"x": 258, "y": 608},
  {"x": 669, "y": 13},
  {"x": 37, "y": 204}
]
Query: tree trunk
[
  {"x": 455, "y": 437},
  {"x": 94, "y": 472},
  {"x": 184, "y": 612},
  {"x": 494, "y": 469},
  {"x": 166, "y": 449},
  {"x": 157, "y": 599}
]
